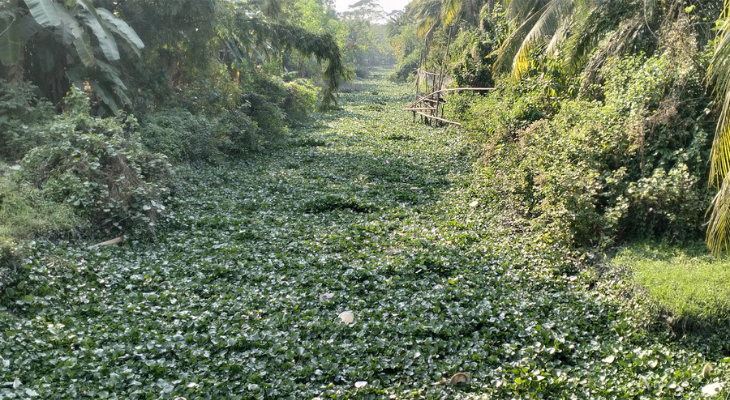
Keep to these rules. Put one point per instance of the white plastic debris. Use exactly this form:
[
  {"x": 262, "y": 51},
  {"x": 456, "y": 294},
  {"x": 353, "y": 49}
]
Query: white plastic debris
[
  {"x": 712, "y": 389},
  {"x": 326, "y": 296},
  {"x": 347, "y": 317}
]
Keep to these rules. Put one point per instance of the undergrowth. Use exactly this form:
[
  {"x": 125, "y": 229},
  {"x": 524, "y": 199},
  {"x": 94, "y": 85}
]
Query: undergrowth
[
  {"x": 623, "y": 158},
  {"x": 82, "y": 173}
]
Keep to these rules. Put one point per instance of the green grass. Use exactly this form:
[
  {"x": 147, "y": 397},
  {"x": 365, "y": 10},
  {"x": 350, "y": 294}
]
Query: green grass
[
  {"x": 686, "y": 283},
  {"x": 25, "y": 214}
]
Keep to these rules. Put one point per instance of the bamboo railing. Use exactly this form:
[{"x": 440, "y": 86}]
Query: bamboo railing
[{"x": 431, "y": 106}]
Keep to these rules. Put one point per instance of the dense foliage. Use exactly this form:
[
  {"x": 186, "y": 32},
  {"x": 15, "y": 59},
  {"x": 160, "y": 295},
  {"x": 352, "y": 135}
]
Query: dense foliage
[
  {"x": 588, "y": 172},
  {"x": 97, "y": 166},
  {"x": 235, "y": 275},
  {"x": 20, "y": 109},
  {"x": 240, "y": 295},
  {"x": 209, "y": 81},
  {"x": 601, "y": 125}
]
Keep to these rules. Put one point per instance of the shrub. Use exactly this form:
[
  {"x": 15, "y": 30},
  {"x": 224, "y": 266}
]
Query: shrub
[
  {"x": 362, "y": 73},
  {"x": 264, "y": 96},
  {"x": 99, "y": 167},
  {"x": 406, "y": 68},
  {"x": 500, "y": 115},
  {"x": 588, "y": 172},
  {"x": 300, "y": 102},
  {"x": 181, "y": 136},
  {"x": 473, "y": 56},
  {"x": 269, "y": 118},
  {"x": 209, "y": 96},
  {"x": 25, "y": 213},
  {"x": 210, "y": 125},
  {"x": 238, "y": 133}
]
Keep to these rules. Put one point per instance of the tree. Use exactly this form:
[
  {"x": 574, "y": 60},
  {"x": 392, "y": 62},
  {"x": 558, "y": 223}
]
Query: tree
[
  {"x": 255, "y": 33},
  {"x": 575, "y": 28},
  {"x": 537, "y": 21},
  {"x": 35, "y": 29},
  {"x": 367, "y": 10}
]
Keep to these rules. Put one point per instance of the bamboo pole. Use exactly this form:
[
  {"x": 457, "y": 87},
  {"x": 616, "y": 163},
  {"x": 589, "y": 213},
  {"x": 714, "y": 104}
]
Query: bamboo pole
[
  {"x": 437, "y": 118},
  {"x": 415, "y": 109}
]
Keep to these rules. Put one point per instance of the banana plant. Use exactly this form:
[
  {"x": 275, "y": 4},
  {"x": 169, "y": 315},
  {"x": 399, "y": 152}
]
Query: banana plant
[{"x": 86, "y": 32}]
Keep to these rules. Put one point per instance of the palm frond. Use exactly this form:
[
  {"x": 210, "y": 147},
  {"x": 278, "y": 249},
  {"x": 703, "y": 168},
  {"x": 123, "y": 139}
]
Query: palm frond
[
  {"x": 718, "y": 230},
  {"x": 521, "y": 10},
  {"x": 557, "y": 39},
  {"x": 427, "y": 14},
  {"x": 450, "y": 10},
  {"x": 719, "y": 74},
  {"x": 546, "y": 23},
  {"x": 396, "y": 24},
  {"x": 427, "y": 26},
  {"x": 513, "y": 44},
  {"x": 591, "y": 25}
]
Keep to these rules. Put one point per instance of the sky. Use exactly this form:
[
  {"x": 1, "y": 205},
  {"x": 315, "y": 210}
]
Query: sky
[{"x": 388, "y": 5}]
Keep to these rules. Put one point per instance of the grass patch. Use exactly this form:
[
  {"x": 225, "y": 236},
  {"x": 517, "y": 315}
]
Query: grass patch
[
  {"x": 396, "y": 137},
  {"x": 337, "y": 203},
  {"x": 24, "y": 213},
  {"x": 686, "y": 284}
]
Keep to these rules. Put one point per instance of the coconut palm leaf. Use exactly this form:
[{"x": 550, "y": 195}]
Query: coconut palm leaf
[
  {"x": 461, "y": 10},
  {"x": 718, "y": 231},
  {"x": 521, "y": 10},
  {"x": 427, "y": 14},
  {"x": 512, "y": 54},
  {"x": 719, "y": 73},
  {"x": 545, "y": 22},
  {"x": 451, "y": 10}
]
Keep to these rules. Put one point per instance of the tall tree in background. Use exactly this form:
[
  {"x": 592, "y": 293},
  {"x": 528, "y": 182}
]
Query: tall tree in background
[
  {"x": 193, "y": 38},
  {"x": 367, "y": 10}
]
